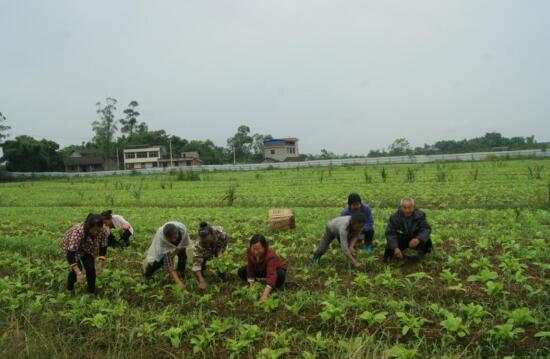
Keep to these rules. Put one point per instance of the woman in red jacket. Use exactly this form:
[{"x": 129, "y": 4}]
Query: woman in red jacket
[{"x": 263, "y": 262}]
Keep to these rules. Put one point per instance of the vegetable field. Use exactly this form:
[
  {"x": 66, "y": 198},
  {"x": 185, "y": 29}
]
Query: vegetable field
[{"x": 483, "y": 292}]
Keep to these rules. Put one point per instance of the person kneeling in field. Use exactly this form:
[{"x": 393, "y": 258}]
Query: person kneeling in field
[
  {"x": 346, "y": 229},
  {"x": 115, "y": 221},
  {"x": 263, "y": 262},
  {"x": 212, "y": 242},
  {"x": 355, "y": 205},
  {"x": 407, "y": 228},
  {"x": 170, "y": 240},
  {"x": 82, "y": 244}
]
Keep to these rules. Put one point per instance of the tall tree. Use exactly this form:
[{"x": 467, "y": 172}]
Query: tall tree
[
  {"x": 3, "y": 128},
  {"x": 105, "y": 127},
  {"x": 258, "y": 146},
  {"x": 400, "y": 146},
  {"x": 129, "y": 123},
  {"x": 241, "y": 142}
]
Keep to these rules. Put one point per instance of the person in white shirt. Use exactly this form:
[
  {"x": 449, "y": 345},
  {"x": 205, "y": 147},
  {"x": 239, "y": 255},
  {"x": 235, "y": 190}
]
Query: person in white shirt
[
  {"x": 114, "y": 221},
  {"x": 171, "y": 240}
]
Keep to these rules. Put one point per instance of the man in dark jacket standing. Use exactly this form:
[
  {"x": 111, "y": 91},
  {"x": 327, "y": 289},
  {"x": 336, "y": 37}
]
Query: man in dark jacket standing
[{"x": 407, "y": 228}]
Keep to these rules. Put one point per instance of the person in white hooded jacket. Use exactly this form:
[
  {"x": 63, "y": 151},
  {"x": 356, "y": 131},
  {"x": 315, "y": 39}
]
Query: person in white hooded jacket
[{"x": 172, "y": 239}]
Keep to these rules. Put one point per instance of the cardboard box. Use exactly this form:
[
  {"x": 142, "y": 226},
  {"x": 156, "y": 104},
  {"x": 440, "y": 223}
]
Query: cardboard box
[{"x": 281, "y": 219}]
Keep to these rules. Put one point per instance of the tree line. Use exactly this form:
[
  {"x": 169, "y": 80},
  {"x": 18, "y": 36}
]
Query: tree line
[
  {"x": 112, "y": 132},
  {"x": 491, "y": 141}
]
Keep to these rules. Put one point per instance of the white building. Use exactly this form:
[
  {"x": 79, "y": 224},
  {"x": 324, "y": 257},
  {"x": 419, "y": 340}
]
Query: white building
[
  {"x": 142, "y": 157},
  {"x": 281, "y": 149}
]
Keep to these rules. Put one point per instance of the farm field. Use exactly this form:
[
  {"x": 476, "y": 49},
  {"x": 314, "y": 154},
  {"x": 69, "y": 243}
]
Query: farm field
[{"x": 483, "y": 292}]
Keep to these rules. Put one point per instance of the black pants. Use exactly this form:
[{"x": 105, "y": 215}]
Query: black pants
[
  {"x": 151, "y": 268},
  {"x": 124, "y": 239},
  {"x": 403, "y": 243},
  {"x": 368, "y": 235},
  {"x": 281, "y": 276},
  {"x": 88, "y": 262}
]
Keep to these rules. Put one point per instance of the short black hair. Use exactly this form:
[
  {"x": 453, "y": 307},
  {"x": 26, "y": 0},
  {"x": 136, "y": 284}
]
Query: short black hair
[
  {"x": 354, "y": 198},
  {"x": 258, "y": 238},
  {"x": 358, "y": 218}
]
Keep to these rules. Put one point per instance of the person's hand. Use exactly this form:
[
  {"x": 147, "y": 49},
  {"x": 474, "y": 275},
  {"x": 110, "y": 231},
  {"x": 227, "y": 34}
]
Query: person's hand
[
  {"x": 414, "y": 243},
  {"x": 263, "y": 297},
  {"x": 203, "y": 286},
  {"x": 356, "y": 264},
  {"x": 80, "y": 277},
  {"x": 397, "y": 253}
]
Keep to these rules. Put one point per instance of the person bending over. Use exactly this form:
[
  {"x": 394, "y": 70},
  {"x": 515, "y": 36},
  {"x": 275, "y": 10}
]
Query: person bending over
[{"x": 171, "y": 240}]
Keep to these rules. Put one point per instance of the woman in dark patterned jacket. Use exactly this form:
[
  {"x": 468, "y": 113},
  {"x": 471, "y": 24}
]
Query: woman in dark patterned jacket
[{"x": 82, "y": 244}]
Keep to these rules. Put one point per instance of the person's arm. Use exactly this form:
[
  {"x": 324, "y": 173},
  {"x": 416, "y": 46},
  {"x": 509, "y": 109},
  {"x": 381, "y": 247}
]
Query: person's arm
[
  {"x": 169, "y": 267},
  {"x": 344, "y": 244},
  {"x": 103, "y": 241},
  {"x": 71, "y": 258},
  {"x": 200, "y": 280},
  {"x": 175, "y": 276},
  {"x": 392, "y": 237},
  {"x": 266, "y": 293},
  {"x": 101, "y": 259},
  {"x": 270, "y": 278},
  {"x": 391, "y": 233},
  {"x": 198, "y": 260},
  {"x": 369, "y": 222},
  {"x": 352, "y": 244},
  {"x": 425, "y": 229}
]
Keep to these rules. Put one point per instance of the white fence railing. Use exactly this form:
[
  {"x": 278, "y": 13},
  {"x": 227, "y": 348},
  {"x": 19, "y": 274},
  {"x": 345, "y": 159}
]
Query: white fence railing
[{"x": 476, "y": 156}]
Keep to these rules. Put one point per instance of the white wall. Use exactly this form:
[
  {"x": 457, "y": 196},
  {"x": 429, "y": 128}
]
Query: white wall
[{"x": 477, "y": 156}]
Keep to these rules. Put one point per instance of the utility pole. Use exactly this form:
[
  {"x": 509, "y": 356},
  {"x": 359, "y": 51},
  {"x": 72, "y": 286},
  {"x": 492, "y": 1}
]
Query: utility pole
[
  {"x": 171, "y": 158},
  {"x": 117, "y": 160},
  {"x": 234, "y": 154}
]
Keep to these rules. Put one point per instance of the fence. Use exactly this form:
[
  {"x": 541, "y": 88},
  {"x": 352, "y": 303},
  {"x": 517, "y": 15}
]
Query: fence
[{"x": 477, "y": 156}]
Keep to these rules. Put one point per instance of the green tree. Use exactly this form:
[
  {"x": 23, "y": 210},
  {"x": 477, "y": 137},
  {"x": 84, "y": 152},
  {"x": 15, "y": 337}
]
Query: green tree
[
  {"x": 241, "y": 143},
  {"x": 26, "y": 154},
  {"x": 400, "y": 146},
  {"x": 129, "y": 124},
  {"x": 105, "y": 127},
  {"x": 258, "y": 146}
]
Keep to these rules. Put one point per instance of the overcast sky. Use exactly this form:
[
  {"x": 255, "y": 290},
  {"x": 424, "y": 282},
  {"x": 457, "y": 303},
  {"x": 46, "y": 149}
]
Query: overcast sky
[{"x": 348, "y": 76}]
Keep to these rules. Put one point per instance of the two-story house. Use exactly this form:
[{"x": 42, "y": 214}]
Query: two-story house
[
  {"x": 143, "y": 157},
  {"x": 281, "y": 149}
]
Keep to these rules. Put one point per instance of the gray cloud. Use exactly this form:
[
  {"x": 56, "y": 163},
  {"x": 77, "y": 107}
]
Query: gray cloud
[{"x": 348, "y": 78}]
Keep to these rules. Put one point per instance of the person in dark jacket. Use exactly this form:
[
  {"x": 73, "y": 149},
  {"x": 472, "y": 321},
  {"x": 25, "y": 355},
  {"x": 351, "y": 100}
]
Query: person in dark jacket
[
  {"x": 263, "y": 262},
  {"x": 407, "y": 228},
  {"x": 356, "y": 205}
]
